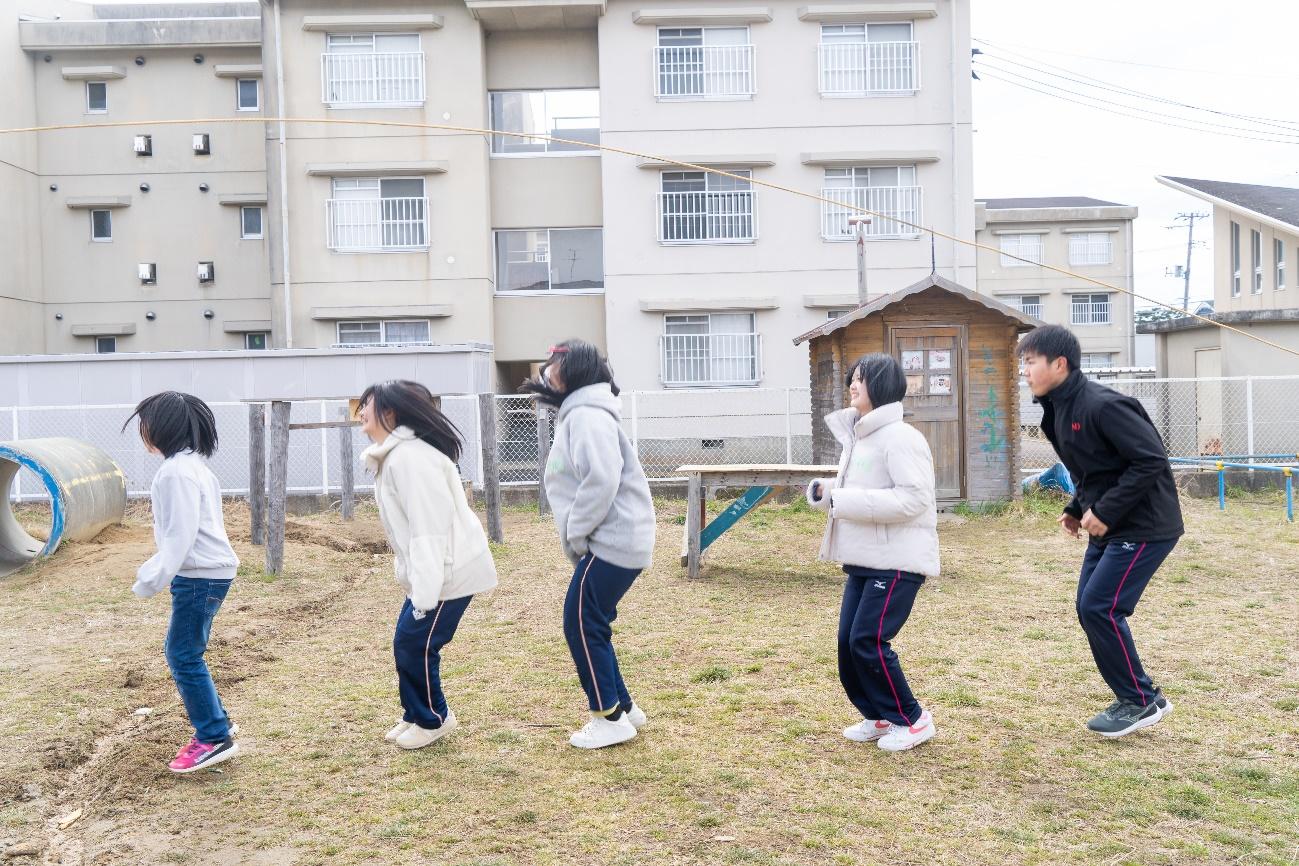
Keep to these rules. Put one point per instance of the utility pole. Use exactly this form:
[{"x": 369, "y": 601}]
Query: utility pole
[
  {"x": 1190, "y": 219},
  {"x": 860, "y": 223}
]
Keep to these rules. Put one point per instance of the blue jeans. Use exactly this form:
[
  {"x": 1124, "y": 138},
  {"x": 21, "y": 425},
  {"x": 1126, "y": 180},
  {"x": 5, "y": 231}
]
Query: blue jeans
[
  {"x": 590, "y": 608},
  {"x": 194, "y": 604}
]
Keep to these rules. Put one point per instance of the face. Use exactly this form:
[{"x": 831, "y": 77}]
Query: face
[
  {"x": 148, "y": 446},
  {"x": 857, "y": 396},
  {"x": 1043, "y": 375},
  {"x": 552, "y": 376},
  {"x": 371, "y": 424}
]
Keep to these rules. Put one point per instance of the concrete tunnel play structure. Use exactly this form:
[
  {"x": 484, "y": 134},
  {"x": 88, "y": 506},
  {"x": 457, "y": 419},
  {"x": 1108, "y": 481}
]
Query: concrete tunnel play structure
[{"x": 86, "y": 490}]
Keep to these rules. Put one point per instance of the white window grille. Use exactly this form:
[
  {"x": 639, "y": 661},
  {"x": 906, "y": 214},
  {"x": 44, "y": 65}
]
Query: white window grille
[
  {"x": 399, "y": 332},
  {"x": 868, "y": 59},
  {"x": 704, "y": 63},
  {"x": 248, "y": 94},
  {"x": 568, "y": 114},
  {"x": 377, "y": 215},
  {"x": 550, "y": 260},
  {"x": 96, "y": 97},
  {"x": 1026, "y": 246},
  {"x": 1256, "y": 260},
  {"x": 1097, "y": 360},
  {"x": 1090, "y": 310},
  {"x": 701, "y": 207},
  {"x": 710, "y": 349},
  {"x": 250, "y": 223},
  {"x": 372, "y": 69},
  {"x": 1090, "y": 248},
  {"x": 1029, "y": 305},
  {"x": 887, "y": 190},
  {"x": 1235, "y": 260},
  {"x": 1278, "y": 254}
]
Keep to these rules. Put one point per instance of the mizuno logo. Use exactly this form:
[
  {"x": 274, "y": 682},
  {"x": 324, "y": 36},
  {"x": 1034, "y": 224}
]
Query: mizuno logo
[{"x": 879, "y": 584}]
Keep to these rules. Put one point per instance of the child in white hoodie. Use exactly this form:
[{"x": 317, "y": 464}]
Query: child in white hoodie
[
  {"x": 194, "y": 559},
  {"x": 440, "y": 551},
  {"x": 883, "y": 528}
]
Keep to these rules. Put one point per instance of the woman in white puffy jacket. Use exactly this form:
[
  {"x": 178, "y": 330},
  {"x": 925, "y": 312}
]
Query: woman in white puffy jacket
[
  {"x": 883, "y": 528},
  {"x": 440, "y": 551}
]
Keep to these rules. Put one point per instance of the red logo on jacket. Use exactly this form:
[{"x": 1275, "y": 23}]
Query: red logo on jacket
[{"x": 1077, "y": 425}]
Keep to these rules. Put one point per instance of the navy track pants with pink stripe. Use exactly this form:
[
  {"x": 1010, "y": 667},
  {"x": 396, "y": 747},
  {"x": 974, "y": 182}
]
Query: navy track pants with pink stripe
[
  {"x": 1113, "y": 577},
  {"x": 876, "y": 605},
  {"x": 590, "y": 607}
]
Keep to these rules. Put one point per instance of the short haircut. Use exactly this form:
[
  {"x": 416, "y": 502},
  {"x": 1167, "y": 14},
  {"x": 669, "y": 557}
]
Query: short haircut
[
  {"x": 174, "y": 422},
  {"x": 1051, "y": 342},
  {"x": 580, "y": 364},
  {"x": 882, "y": 374},
  {"x": 413, "y": 405}
]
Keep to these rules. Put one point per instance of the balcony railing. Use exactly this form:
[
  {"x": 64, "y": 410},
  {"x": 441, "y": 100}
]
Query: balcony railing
[
  {"x": 1091, "y": 313},
  {"x": 1034, "y": 310},
  {"x": 865, "y": 68},
  {"x": 895, "y": 202},
  {"x": 707, "y": 217},
  {"x": 377, "y": 224},
  {"x": 704, "y": 72},
  {"x": 372, "y": 79},
  {"x": 711, "y": 359}
]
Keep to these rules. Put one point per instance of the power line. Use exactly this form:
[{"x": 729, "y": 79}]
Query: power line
[{"x": 1215, "y": 72}]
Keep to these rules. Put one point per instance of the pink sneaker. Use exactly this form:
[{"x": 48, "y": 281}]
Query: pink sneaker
[{"x": 197, "y": 756}]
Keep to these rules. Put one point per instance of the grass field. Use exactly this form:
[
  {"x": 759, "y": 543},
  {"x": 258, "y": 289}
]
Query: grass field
[{"x": 742, "y": 761}]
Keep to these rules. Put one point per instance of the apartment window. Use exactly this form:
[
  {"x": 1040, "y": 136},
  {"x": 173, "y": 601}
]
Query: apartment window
[
  {"x": 1029, "y": 305},
  {"x": 105, "y": 345},
  {"x": 701, "y": 207},
  {"x": 250, "y": 223},
  {"x": 248, "y": 94},
  {"x": 384, "y": 333},
  {"x": 1256, "y": 259},
  {"x": 1278, "y": 254},
  {"x": 710, "y": 349},
  {"x": 1235, "y": 260},
  {"x": 1097, "y": 360},
  {"x": 1026, "y": 246},
  {"x": 369, "y": 69},
  {"x": 101, "y": 225},
  {"x": 550, "y": 260},
  {"x": 1090, "y": 248},
  {"x": 868, "y": 59},
  {"x": 704, "y": 63},
  {"x": 1090, "y": 310},
  {"x": 888, "y": 190},
  {"x": 570, "y": 114},
  {"x": 96, "y": 97},
  {"x": 369, "y": 214},
  {"x": 256, "y": 341}
]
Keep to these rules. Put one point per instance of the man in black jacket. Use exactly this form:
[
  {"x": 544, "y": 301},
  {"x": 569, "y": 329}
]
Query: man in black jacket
[{"x": 1126, "y": 502}]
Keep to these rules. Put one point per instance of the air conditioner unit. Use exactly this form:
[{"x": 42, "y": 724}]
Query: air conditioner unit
[
  {"x": 202, "y": 144},
  {"x": 144, "y": 145},
  {"x": 206, "y": 272},
  {"x": 148, "y": 273}
]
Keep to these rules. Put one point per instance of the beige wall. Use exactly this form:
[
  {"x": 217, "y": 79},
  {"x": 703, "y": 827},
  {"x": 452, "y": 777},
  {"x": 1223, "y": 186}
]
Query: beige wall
[{"x": 1269, "y": 298}]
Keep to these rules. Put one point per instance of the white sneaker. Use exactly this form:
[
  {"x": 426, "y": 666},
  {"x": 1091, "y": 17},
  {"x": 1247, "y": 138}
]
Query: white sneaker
[
  {"x": 900, "y": 737},
  {"x": 867, "y": 730},
  {"x": 416, "y": 737},
  {"x": 636, "y": 716},
  {"x": 397, "y": 730},
  {"x": 600, "y": 732}
]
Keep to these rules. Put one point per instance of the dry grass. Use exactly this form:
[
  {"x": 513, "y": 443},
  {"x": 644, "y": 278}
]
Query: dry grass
[{"x": 742, "y": 761}]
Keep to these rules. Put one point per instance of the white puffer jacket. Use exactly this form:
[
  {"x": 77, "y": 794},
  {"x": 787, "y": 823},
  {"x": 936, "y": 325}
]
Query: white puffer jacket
[
  {"x": 881, "y": 504},
  {"x": 440, "y": 549}
]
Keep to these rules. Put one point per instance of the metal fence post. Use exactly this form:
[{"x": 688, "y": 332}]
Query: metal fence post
[
  {"x": 789, "y": 427},
  {"x": 1249, "y": 418}
]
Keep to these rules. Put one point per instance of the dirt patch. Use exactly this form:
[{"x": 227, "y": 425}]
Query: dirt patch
[{"x": 343, "y": 537}]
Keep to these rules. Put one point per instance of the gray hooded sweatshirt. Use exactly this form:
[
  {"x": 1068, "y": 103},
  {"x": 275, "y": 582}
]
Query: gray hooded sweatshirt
[{"x": 596, "y": 485}]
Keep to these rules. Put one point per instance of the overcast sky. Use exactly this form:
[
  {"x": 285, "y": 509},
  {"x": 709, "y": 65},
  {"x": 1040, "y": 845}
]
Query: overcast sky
[{"x": 1238, "y": 58}]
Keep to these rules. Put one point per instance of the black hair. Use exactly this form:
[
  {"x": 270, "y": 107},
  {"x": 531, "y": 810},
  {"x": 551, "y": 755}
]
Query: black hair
[
  {"x": 174, "y": 422},
  {"x": 883, "y": 377},
  {"x": 412, "y": 405},
  {"x": 580, "y": 364},
  {"x": 1051, "y": 342}
]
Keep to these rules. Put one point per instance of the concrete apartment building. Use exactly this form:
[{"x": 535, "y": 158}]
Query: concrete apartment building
[
  {"x": 1083, "y": 235},
  {"x": 315, "y": 234},
  {"x": 1255, "y": 248}
]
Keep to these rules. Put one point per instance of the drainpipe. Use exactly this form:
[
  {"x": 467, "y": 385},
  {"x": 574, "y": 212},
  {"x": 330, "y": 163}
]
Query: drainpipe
[
  {"x": 284, "y": 183},
  {"x": 1132, "y": 302},
  {"x": 956, "y": 176}
]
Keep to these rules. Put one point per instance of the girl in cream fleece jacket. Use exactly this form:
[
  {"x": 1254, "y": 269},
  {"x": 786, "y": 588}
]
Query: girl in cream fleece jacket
[{"x": 440, "y": 553}]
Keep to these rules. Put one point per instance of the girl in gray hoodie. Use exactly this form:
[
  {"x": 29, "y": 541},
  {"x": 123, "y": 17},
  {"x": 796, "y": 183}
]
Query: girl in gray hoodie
[{"x": 601, "y": 502}]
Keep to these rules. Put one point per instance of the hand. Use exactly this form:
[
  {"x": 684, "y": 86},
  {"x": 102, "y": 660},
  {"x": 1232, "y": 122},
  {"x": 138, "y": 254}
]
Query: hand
[
  {"x": 1093, "y": 525},
  {"x": 1069, "y": 523}
]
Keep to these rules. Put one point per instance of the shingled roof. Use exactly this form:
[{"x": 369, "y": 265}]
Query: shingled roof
[{"x": 1280, "y": 203}]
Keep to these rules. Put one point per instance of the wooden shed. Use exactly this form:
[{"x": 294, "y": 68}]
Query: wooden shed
[{"x": 957, "y": 348}]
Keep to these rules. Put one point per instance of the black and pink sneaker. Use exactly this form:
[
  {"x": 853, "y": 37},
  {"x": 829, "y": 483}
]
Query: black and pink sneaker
[{"x": 199, "y": 756}]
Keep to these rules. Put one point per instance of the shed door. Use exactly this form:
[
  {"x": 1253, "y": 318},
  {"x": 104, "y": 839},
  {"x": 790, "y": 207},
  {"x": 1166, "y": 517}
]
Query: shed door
[{"x": 931, "y": 358}]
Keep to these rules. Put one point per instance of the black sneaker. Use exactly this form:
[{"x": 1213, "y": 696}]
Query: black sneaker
[{"x": 1121, "y": 718}]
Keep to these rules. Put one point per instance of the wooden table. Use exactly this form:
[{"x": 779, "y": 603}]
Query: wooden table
[{"x": 760, "y": 481}]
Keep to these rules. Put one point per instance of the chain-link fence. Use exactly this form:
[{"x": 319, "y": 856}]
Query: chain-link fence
[{"x": 1234, "y": 417}]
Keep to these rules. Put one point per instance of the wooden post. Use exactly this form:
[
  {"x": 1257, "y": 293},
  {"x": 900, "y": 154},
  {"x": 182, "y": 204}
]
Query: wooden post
[
  {"x": 257, "y": 471},
  {"x": 543, "y": 455},
  {"x": 279, "y": 477},
  {"x": 694, "y": 523},
  {"x": 491, "y": 469},
  {"x": 345, "y": 467}
]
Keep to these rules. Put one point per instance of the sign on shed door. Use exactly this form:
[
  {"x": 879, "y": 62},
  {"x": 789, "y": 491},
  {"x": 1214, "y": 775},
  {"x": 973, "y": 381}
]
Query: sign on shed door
[{"x": 931, "y": 361}]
